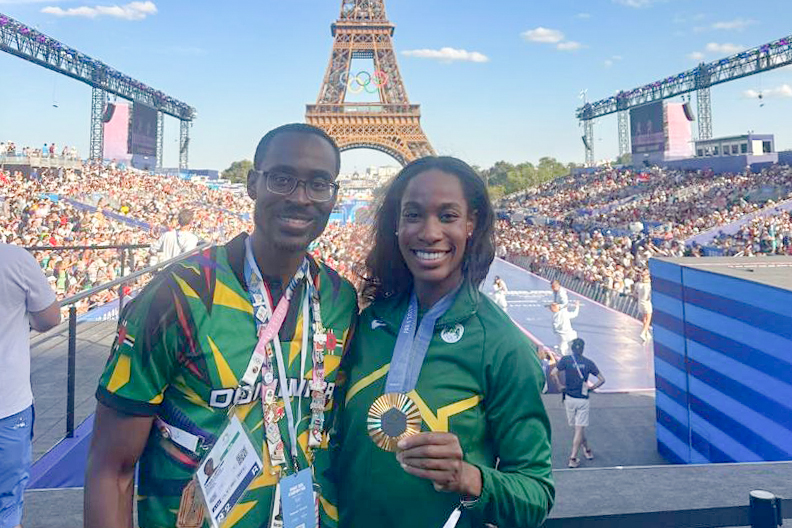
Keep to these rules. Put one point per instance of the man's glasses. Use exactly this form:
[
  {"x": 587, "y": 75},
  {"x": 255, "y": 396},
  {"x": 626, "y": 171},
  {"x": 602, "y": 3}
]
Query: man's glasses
[{"x": 317, "y": 189}]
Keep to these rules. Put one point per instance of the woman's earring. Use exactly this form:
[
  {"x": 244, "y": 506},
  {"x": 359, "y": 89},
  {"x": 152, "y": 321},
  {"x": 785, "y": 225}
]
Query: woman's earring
[{"x": 397, "y": 233}]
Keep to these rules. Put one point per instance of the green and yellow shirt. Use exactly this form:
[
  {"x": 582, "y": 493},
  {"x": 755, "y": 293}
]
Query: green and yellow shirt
[
  {"x": 183, "y": 344},
  {"x": 482, "y": 381}
]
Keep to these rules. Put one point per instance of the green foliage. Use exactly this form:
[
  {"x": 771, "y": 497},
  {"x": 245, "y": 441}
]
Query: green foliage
[
  {"x": 504, "y": 178},
  {"x": 238, "y": 171},
  {"x": 624, "y": 159}
]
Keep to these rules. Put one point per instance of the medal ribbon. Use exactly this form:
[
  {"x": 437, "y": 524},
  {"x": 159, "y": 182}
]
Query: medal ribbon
[
  {"x": 262, "y": 359},
  {"x": 411, "y": 346}
]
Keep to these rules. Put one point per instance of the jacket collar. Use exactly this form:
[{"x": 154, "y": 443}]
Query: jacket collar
[
  {"x": 235, "y": 251},
  {"x": 391, "y": 310}
]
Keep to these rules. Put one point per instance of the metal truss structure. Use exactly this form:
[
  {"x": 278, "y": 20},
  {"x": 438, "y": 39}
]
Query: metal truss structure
[
  {"x": 184, "y": 144},
  {"x": 36, "y": 47},
  {"x": 624, "y": 132},
  {"x": 160, "y": 138},
  {"x": 392, "y": 125},
  {"x": 770, "y": 56},
  {"x": 588, "y": 140},
  {"x": 98, "y": 104}
]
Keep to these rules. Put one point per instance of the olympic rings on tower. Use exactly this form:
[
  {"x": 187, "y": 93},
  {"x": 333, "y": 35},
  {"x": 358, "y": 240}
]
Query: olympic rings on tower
[{"x": 364, "y": 80}]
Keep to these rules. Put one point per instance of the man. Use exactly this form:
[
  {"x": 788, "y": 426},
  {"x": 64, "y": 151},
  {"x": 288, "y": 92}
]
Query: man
[
  {"x": 176, "y": 241},
  {"x": 560, "y": 296},
  {"x": 577, "y": 370},
  {"x": 562, "y": 325},
  {"x": 186, "y": 341},
  {"x": 26, "y": 300}
]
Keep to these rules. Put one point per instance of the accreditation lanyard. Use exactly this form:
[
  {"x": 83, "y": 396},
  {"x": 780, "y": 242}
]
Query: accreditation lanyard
[
  {"x": 413, "y": 343},
  {"x": 268, "y": 324}
]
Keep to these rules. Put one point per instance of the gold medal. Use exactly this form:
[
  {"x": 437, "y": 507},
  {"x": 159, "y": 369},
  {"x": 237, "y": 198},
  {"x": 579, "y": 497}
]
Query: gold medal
[
  {"x": 191, "y": 508},
  {"x": 392, "y": 417}
]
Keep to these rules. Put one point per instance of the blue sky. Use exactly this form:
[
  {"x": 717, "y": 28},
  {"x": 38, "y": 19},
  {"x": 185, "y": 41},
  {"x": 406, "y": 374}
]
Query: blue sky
[{"x": 250, "y": 65}]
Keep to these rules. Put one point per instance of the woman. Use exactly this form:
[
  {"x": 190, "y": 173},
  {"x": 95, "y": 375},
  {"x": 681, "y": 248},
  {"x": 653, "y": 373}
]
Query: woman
[{"x": 470, "y": 381}]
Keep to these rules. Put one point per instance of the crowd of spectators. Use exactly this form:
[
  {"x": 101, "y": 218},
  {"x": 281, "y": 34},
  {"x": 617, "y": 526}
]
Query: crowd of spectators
[
  {"x": 604, "y": 226},
  {"x": 770, "y": 235},
  {"x": 601, "y": 226}
]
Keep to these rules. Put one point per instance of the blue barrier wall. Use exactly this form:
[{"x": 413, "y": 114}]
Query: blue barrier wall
[
  {"x": 721, "y": 164},
  {"x": 723, "y": 361}
]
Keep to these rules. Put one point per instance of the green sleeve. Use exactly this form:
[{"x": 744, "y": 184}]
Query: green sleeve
[
  {"x": 141, "y": 361},
  {"x": 521, "y": 491}
]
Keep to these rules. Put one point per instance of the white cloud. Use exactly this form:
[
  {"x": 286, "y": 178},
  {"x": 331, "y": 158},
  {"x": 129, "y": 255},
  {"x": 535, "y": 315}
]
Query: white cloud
[
  {"x": 738, "y": 24},
  {"x": 611, "y": 61},
  {"x": 713, "y": 48},
  {"x": 783, "y": 91},
  {"x": 130, "y": 11},
  {"x": 583, "y": 15},
  {"x": 568, "y": 45},
  {"x": 448, "y": 55},
  {"x": 724, "y": 49},
  {"x": 544, "y": 35},
  {"x": 636, "y": 3}
]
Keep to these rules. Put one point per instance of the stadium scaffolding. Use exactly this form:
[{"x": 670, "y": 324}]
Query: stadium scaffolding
[
  {"x": 33, "y": 46},
  {"x": 769, "y": 56}
]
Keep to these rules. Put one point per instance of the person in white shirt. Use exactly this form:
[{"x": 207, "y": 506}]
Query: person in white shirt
[
  {"x": 176, "y": 241},
  {"x": 643, "y": 292},
  {"x": 560, "y": 296},
  {"x": 500, "y": 293},
  {"x": 562, "y": 325},
  {"x": 26, "y": 300}
]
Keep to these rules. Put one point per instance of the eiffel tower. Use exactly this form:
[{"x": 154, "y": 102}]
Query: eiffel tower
[{"x": 392, "y": 125}]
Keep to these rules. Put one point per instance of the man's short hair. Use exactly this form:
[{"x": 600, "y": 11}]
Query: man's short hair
[
  {"x": 185, "y": 217},
  {"x": 300, "y": 128},
  {"x": 577, "y": 345}
]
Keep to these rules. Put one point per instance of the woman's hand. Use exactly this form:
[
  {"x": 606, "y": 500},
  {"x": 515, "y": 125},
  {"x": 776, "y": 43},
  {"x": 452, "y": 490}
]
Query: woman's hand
[{"x": 438, "y": 457}]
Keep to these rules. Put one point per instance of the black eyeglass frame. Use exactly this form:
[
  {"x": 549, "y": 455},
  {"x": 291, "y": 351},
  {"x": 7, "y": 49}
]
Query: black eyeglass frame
[{"x": 297, "y": 182}]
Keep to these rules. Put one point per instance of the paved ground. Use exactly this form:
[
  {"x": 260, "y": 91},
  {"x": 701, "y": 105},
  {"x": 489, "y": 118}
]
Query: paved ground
[{"x": 49, "y": 368}]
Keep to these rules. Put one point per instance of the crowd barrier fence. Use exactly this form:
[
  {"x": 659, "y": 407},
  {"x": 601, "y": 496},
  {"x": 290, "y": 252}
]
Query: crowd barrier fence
[
  {"x": 626, "y": 304},
  {"x": 71, "y": 304}
]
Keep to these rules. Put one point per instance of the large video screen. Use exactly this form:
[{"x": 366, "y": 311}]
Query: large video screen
[
  {"x": 646, "y": 128},
  {"x": 143, "y": 130}
]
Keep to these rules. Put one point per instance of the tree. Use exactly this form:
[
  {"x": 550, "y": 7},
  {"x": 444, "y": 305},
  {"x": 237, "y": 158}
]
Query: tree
[
  {"x": 495, "y": 192},
  {"x": 624, "y": 159},
  {"x": 238, "y": 171}
]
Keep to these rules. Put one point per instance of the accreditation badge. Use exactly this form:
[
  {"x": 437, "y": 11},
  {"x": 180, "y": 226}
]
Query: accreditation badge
[
  {"x": 392, "y": 417},
  {"x": 226, "y": 472}
]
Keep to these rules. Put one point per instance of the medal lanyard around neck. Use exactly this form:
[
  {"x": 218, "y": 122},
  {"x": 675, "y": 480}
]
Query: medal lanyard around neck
[
  {"x": 268, "y": 328},
  {"x": 411, "y": 345}
]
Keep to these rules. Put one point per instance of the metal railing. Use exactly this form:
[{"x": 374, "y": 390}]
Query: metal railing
[
  {"x": 41, "y": 161},
  {"x": 627, "y": 304},
  {"x": 71, "y": 303},
  {"x": 765, "y": 510}
]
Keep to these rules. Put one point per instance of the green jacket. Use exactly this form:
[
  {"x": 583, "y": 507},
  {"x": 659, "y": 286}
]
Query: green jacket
[{"x": 482, "y": 381}]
